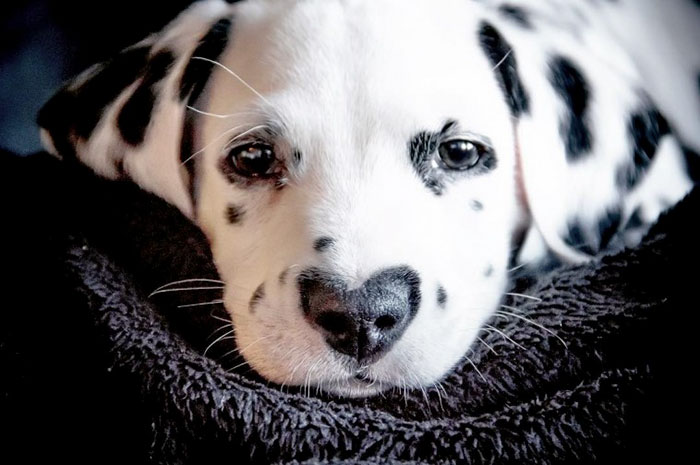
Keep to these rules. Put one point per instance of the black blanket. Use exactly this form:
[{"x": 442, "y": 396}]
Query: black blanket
[{"x": 600, "y": 370}]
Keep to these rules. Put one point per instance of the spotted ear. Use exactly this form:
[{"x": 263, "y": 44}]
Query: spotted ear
[
  {"x": 128, "y": 117},
  {"x": 597, "y": 162}
]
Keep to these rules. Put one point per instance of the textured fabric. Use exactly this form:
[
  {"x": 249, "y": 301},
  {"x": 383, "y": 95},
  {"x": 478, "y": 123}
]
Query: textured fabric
[{"x": 597, "y": 371}]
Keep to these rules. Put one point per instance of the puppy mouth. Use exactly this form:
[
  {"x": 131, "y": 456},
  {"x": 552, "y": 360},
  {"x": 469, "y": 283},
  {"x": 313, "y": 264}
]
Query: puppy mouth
[{"x": 359, "y": 385}]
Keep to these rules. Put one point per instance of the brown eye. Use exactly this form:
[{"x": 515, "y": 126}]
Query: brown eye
[
  {"x": 253, "y": 160},
  {"x": 461, "y": 154}
]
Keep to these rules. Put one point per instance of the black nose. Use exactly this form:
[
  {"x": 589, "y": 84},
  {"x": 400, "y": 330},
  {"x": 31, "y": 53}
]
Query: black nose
[{"x": 363, "y": 323}]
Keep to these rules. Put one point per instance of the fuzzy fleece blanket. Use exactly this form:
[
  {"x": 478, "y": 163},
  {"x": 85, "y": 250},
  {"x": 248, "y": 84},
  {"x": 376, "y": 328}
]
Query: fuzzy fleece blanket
[{"x": 599, "y": 369}]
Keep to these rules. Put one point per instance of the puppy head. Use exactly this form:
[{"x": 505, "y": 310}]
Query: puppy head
[{"x": 353, "y": 165}]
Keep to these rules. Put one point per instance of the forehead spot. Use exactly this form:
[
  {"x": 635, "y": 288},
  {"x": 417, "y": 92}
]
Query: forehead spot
[
  {"x": 197, "y": 72},
  {"x": 135, "y": 116}
]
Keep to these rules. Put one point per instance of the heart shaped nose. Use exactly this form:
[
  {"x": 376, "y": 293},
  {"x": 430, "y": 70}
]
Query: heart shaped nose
[{"x": 363, "y": 323}]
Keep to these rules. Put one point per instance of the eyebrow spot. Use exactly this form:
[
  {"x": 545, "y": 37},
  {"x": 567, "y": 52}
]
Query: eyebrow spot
[{"x": 323, "y": 243}]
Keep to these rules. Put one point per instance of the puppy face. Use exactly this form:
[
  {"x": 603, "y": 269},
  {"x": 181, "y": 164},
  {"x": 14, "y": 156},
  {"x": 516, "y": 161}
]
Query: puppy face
[
  {"x": 361, "y": 167},
  {"x": 358, "y": 196}
]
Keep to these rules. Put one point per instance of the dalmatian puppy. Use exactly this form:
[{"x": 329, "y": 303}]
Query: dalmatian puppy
[{"x": 366, "y": 170}]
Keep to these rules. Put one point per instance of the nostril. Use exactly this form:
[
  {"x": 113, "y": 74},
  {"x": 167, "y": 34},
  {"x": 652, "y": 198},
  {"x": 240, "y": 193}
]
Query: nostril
[
  {"x": 385, "y": 322},
  {"x": 334, "y": 322}
]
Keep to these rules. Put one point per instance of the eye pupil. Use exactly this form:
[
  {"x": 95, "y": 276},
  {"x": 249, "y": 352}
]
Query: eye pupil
[
  {"x": 253, "y": 161},
  {"x": 460, "y": 154}
]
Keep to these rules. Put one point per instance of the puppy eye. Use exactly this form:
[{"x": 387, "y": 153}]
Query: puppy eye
[
  {"x": 253, "y": 160},
  {"x": 461, "y": 155}
]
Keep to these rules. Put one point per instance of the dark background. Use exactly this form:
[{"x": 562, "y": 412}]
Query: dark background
[
  {"x": 58, "y": 401},
  {"x": 45, "y": 42}
]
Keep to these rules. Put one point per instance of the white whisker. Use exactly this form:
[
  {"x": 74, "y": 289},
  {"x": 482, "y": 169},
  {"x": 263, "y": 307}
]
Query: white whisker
[
  {"x": 218, "y": 330},
  {"x": 504, "y": 335},
  {"x": 471, "y": 362},
  {"x": 220, "y": 115},
  {"x": 505, "y": 57},
  {"x": 240, "y": 351},
  {"x": 244, "y": 133},
  {"x": 219, "y": 318},
  {"x": 228, "y": 131},
  {"x": 192, "y": 280},
  {"x": 226, "y": 335},
  {"x": 488, "y": 346},
  {"x": 228, "y": 70},
  {"x": 524, "y": 296},
  {"x": 183, "y": 289},
  {"x": 532, "y": 323},
  {"x": 522, "y": 265},
  {"x": 202, "y": 304}
]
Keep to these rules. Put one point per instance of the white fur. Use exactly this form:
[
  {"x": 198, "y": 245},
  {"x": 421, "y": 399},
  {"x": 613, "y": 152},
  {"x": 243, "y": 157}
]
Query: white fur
[{"x": 349, "y": 83}]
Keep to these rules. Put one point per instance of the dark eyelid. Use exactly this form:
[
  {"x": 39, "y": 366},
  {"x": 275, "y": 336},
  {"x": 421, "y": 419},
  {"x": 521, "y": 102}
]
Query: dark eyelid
[{"x": 448, "y": 127}]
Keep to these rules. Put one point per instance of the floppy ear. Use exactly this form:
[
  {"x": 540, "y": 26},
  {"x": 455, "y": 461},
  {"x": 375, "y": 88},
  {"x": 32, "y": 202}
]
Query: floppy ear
[
  {"x": 597, "y": 162},
  {"x": 128, "y": 117}
]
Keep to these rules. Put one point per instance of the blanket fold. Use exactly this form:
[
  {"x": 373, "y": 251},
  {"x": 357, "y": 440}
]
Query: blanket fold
[{"x": 592, "y": 365}]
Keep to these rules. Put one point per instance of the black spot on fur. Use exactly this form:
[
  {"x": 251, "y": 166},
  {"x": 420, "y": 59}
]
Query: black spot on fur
[
  {"x": 75, "y": 112},
  {"x": 194, "y": 80},
  {"x": 234, "y": 214},
  {"x": 197, "y": 72},
  {"x": 296, "y": 156},
  {"x": 441, "y": 297},
  {"x": 502, "y": 57},
  {"x": 187, "y": 149},
  {"x": 573, "y": 89},
  {"x": 488, "y": 272},
  {"x": 591, "y": 241},
  {"x": 258, "y": 295},
  {"x": 323, "y": 243},
  {"x": 635, "y": 221},
  {"x": 608, "y": 226},
  {"x": 135, "y": 116},
  {"x": 57, "y": 117},
  {"x": 646, "y": 129},
  {"x": 516, "y": 14},
  {"x": 421, "y": 148},
  {"x": 477, "y": 206},
  {"x": 576, "y": 238},
  {"x": 692, "y": 164}
]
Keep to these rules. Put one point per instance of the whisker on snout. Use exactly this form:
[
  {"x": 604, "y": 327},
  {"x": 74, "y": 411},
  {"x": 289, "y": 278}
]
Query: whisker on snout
[
  {"x": 232, "y": 73},
  {"x": 471, "y": 362},
  {"x": 202, "y": 304},
  {"x": 504, "y": 336},
  {"x": 534, "y": 323},
  {"x": 191, "y": 280},
  {"x": 225, "y": 337},
  {"x": 524, "y": 296},
  {"x": 184, "y": 289}
]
